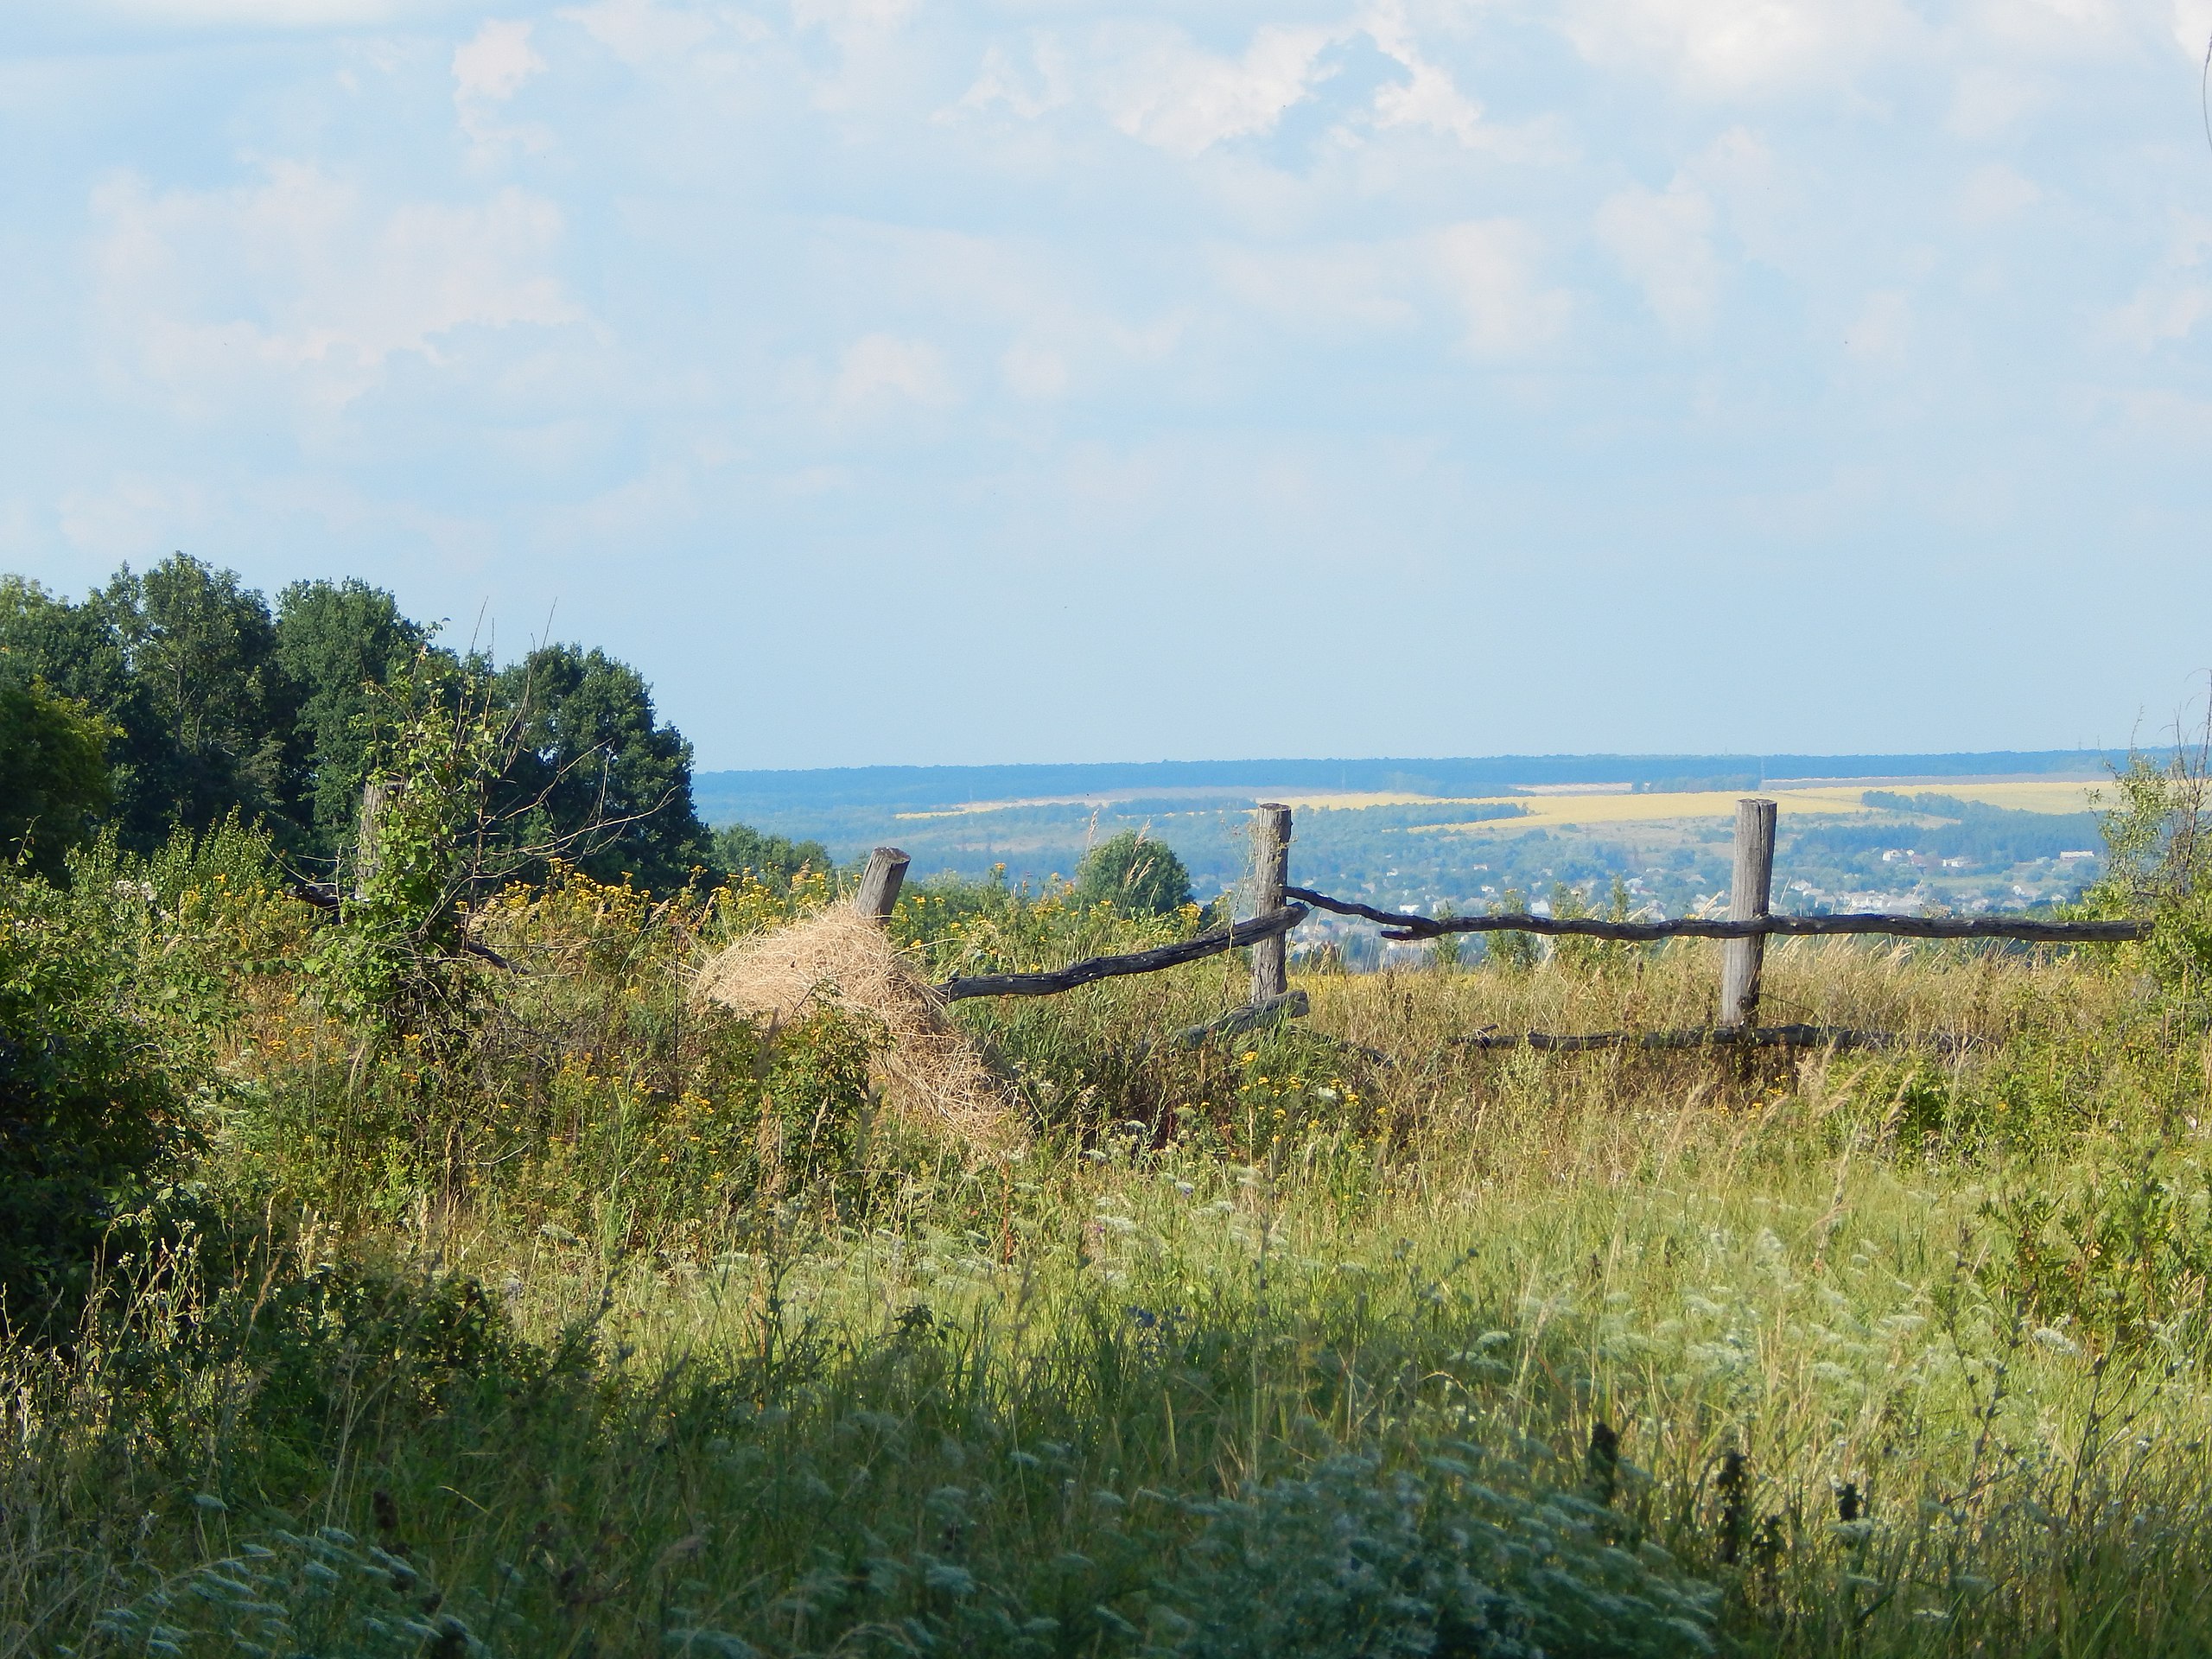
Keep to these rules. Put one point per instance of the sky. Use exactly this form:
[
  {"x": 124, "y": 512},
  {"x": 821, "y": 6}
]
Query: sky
[{"x": 900, "y": 381}]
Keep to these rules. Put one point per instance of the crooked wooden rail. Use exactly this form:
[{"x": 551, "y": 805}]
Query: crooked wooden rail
[{"x": 1272, "y": 926}]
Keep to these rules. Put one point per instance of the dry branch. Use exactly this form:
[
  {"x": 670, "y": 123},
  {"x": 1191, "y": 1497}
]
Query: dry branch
[{"x": 1272, "y": 925}]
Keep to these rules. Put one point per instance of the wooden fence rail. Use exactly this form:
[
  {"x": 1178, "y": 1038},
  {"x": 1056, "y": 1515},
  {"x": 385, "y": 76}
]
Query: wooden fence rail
[
  {"x": 1272, "y": 925},
  {"x": 1398, "y": 925}
]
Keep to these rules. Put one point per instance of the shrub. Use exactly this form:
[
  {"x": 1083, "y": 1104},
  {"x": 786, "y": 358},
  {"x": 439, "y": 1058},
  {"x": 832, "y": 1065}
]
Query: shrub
[
  {"x": 1137, "y": 875},
  {"x": 93, "y": 1086}
]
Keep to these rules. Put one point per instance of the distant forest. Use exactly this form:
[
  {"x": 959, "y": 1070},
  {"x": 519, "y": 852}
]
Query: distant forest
[{"x": 172, "y": 699}]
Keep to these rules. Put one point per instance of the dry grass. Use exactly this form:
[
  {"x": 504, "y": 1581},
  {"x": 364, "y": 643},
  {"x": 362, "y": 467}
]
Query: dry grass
[{"x": 928, "y": 1068}]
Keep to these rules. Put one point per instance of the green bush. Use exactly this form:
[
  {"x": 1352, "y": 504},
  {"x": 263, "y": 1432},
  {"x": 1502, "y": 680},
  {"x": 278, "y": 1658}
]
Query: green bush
[
  {"x": 1135, "y": 875},
  {"x": 94, "y": 1086}
]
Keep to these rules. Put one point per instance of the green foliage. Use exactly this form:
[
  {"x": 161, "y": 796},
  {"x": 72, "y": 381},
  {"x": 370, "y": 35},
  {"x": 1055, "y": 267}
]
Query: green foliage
[
  {"x": 53, "y": 776},
  {"x": 217, "y": 706},
  {"x": 339, "y": 642},
  {"x": 96, "y": 1082},
  {"x": 1355, "y": 1559},
  {"x": 592, "y": 763},
  {"x": 2158, "y": 842},
  {"x": 1604, "y": 955},
  {"x": 1135, "y": 875},
  {"x": 1446, "y": 953},
  {"x": 2114, "y": 1252},
  {"x": 395, "y": 963},
  {"x": 740, "y": 851},
  {"x": 1512, "y": 953},
  {"x": 203, "y": 650}
]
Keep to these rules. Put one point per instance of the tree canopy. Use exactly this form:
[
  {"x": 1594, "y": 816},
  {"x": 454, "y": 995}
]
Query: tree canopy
[
  {"x": 198, "y": 700},
  {"x": 55, "y": 784}
]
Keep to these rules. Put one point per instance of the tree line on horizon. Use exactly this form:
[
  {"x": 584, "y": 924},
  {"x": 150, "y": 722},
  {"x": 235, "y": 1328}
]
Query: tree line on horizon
[{"x": 175, "y": 698}]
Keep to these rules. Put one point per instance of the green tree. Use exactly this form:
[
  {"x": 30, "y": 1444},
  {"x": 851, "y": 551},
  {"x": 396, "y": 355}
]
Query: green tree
[
  {"x": 181, "y": 662},
  {"x": 1135, "y": 875},
  {"x": 740, "y": 849},
  {"x": 55, "y": 784},
  {"x": 337, "y": 642},
  {"x": 203, "y": 647},
  {"x": 594, "y": 769},
  {"x": 79, "y": 654}
]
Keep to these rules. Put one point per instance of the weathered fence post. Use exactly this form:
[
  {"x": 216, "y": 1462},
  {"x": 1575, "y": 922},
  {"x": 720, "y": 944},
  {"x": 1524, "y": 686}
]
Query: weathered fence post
[
  {"x": 1750, "y": 880},
  {"x": 1271, "y": 876},
  {"x": 368, "y": 834},
  {"x": 880, "y": 883}
]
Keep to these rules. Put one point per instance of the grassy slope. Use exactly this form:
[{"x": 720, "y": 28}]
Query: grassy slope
[{"x": 1241, "y": 1356}]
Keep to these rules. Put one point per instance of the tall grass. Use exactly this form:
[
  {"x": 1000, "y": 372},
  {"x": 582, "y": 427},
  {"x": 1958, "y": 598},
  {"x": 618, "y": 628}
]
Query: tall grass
[{"x": 1341, "y": 1338}]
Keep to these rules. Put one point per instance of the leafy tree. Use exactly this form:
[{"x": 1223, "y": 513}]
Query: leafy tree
[
  {"x": 740, "y": 849},
  {"x": 337, "y": 642},
  {"x": 182, "y": 661},
  {"x": 593, "y": 766},
  {"x": 1135, "y": 875},
  {"x": 53, "y": 775},
  {"x": 77, "y": 653},
  {"x": 203, "y": 646}
]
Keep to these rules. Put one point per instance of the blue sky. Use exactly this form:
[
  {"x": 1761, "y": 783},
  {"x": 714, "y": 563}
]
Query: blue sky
[{"x": 896, "y": 381}]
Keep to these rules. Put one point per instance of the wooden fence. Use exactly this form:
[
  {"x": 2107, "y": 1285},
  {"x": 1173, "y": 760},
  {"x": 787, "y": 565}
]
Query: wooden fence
[{"x": 1280, "y": 906}]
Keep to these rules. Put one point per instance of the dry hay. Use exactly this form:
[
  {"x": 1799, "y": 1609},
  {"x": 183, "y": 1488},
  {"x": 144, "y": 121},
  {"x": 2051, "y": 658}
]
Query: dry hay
[{"x": 927, "y": 1068}]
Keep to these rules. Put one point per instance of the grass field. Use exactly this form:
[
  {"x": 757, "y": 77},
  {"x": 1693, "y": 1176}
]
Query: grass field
[{"x": 616, "y": 1326}]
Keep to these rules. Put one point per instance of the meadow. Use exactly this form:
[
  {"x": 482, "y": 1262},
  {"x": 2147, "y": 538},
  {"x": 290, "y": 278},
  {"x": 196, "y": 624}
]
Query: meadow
[{"x": 576, "y": 1316}]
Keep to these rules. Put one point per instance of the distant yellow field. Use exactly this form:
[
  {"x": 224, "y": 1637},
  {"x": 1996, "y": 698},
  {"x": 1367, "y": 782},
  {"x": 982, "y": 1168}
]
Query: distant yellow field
[{"x": 1828, "y": 799}]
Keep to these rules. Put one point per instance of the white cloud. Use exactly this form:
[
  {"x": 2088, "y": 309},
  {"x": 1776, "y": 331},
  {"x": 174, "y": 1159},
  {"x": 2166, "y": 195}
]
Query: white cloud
[
  {"x": 1034, "y": 372},
  {"x": 1489, "y": 267},
  {"x": 2192, "y": 25},
  {"x": 1987, "y": 102},
  {"x": 879, "y": 371},
  {"x": 1663, "y": 240},
  {"x": 2176, "y": 297},
  {"x": 1735, "y": 48},
  {"x": 1429, "y": 97},
  {"x": 299, "y": 276},
  {"x": 1001, "y": 82},
  {"x": 1158, "y": 86},
  {"x": 492, "y": 67},
  {"x": 1354, "y": 285},
  {"x": 265, "y": 13},
  {"x": 854, "y": 23},
  {"x": 1882, "y": 332},
  {"x": 640, "y": 31},
  {"x": 1993, "y": 193}
]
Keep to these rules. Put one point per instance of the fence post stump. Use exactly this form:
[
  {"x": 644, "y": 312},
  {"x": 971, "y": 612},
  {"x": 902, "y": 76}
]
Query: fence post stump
[
  {"x": 880, "y": 883},
  {"x": 1271, "y": 876},
  {"x": 1751, "y": 881},
  {"x": 368, "y": 849}
]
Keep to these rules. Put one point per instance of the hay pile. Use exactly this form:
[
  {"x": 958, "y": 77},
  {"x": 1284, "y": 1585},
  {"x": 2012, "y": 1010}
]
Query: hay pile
[{"x": 928, "y": 1068}]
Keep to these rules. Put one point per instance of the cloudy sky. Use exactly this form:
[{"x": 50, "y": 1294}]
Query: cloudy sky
[{"x": 896, "y": 380}]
